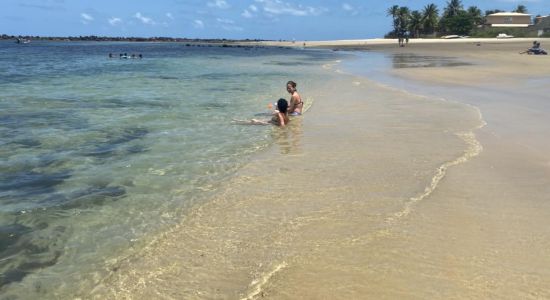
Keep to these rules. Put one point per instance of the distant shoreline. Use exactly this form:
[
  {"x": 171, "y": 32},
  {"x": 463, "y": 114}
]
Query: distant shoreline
[
  {"x": 344, "y": 45},
  {"x": 361, "y": 44},
  {"x": 263, "y": 42},
  {"x": 93, "y": 38}
]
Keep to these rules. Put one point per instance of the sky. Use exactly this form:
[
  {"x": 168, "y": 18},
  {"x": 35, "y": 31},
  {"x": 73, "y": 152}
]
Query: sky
[{"x": 230, "y": 19}]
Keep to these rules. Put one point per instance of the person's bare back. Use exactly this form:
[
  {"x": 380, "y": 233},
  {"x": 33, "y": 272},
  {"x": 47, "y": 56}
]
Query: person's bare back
[{"x": 280, "y": 116}]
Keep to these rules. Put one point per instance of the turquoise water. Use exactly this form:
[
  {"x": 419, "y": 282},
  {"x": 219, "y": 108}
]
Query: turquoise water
[{"x": 97, "y": 154}]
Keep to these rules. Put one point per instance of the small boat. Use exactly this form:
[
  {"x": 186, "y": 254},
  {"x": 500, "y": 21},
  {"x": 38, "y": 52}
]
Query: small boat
[
  {"x": 454, "y": 36},
  {"x": 504, "y": 36},
  {"x": 22, "y": 41}
]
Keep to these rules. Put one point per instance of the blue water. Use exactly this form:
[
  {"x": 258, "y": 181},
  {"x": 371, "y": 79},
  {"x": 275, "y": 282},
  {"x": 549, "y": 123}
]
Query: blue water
[{"x": 98, "y": 153}]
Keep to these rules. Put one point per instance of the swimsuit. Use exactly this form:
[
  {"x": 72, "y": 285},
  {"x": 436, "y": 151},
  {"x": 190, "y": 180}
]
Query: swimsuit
[{"x": 297, "y": 113}]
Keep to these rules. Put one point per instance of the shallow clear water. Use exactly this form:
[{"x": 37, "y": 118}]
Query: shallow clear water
[{"x": 97, "y": 153}]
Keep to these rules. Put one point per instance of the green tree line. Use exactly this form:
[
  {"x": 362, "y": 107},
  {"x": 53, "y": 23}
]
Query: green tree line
[{"x": 428, "y": 22}]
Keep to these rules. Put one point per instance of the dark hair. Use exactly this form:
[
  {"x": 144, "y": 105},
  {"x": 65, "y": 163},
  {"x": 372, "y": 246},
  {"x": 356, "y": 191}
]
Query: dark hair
[
  {"x": 282, "y": 105},
  {"x": 292, "y": 83}
]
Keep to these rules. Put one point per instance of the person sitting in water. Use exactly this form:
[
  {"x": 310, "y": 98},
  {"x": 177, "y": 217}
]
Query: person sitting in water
[
  {"x": 280, "y": 116},
  {"x": 535, "y": 49},
  {"x": 296, "y": 104}
]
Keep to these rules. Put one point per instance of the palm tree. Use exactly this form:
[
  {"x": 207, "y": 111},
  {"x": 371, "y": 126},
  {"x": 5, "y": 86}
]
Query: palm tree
[
  {"x": 453, "y": 8},
  {"x": 476, "y": 14},
  {"x": 521, "y": 9},
  {"x": 450, "y": 15},
  {"x": 394, "y": 13},
  {"x": 492, "y": 11},
  {"x": 415, "y": 23},
  {"x": 430, "y": 15},
  {"x": 403, "y": 17}
]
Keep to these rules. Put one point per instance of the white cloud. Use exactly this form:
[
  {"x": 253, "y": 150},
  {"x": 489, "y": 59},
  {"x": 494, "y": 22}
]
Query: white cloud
[
  {"x": 225, "y": 21},
  {"x": 86, "y": 18},
  {"x": 232, "y": 28},
  {"x": 198, "y": 24},
  {"x": 144, "y": 19},
  {"x": 228, "y": 24},
  {"x": 350, "y": 9},
  {"x": 170, "y": 16},
  {"x": 222, "y": 4},
  {"x": 249, "y": 12},
  {"x": 246, "y": 14},
  {"x": 277, "y": 7},
  {"x": 115, "y": 21}
]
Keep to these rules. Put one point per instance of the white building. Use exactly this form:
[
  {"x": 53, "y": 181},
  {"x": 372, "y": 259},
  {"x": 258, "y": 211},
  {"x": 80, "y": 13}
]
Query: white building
[{"x": 509, "y": 19}]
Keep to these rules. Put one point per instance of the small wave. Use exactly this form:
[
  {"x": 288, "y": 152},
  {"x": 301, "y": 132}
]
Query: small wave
[
  {"x": 308, "y": 103},
  {"x": 289, "y": 63},
  {"x": 329, "y": 66},
  {"x": 257, "y": 284},
  {"x": 474, "y": 149}
]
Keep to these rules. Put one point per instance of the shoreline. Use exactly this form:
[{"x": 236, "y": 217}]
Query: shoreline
[
  {"x": 369, "y": 219},
  {"x": 257, "y": 237},
  {"x": 381, "y": 42},
  {"x": 434, "y": 189}
]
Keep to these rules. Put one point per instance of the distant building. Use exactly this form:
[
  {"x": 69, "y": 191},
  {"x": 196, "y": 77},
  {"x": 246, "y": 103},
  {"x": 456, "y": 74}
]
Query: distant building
[
  {"x": 539, "y": 18},
  {"x": 508, "y": 19},
  {"x": 542, "y": 25}
]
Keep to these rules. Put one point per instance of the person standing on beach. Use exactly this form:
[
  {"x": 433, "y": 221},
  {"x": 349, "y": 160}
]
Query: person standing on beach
[{"x": 296, "y": 104}]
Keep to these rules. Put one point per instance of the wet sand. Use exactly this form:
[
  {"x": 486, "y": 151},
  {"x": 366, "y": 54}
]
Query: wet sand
[
  {"x": 484, "y": 231},
  {"x": 378, "y": 193}
]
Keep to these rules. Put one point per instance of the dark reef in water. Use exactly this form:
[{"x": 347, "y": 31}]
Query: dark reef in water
[
  {"x": 28, "y": 244},
  {"x": 29, "y": 183},
  {"x": 32, "y": 252}
]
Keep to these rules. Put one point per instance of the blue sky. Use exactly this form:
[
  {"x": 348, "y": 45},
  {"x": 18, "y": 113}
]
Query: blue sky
[{"x": 232, "y": 19}]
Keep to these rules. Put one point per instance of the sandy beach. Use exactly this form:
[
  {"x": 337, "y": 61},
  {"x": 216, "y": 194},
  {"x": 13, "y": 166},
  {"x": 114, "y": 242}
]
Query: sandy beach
[{"x": 434, "y": 189}]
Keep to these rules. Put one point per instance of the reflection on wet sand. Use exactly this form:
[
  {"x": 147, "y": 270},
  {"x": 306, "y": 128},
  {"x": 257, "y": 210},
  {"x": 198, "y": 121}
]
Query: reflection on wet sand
[
  {"x": 289, "y": 139},
  {"x": 405, "y": 60}
]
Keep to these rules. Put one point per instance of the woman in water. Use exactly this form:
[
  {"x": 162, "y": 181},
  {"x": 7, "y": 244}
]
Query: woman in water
[
  {"x": 296, "y": 104},
  {"x": 280, "y": 116}
]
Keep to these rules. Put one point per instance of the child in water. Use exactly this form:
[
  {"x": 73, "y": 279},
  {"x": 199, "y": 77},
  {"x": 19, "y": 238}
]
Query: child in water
[{"x": 280, "y": 116}]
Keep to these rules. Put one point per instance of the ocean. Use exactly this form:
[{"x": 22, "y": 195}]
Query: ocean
[{"x": 99, "y": 155}]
